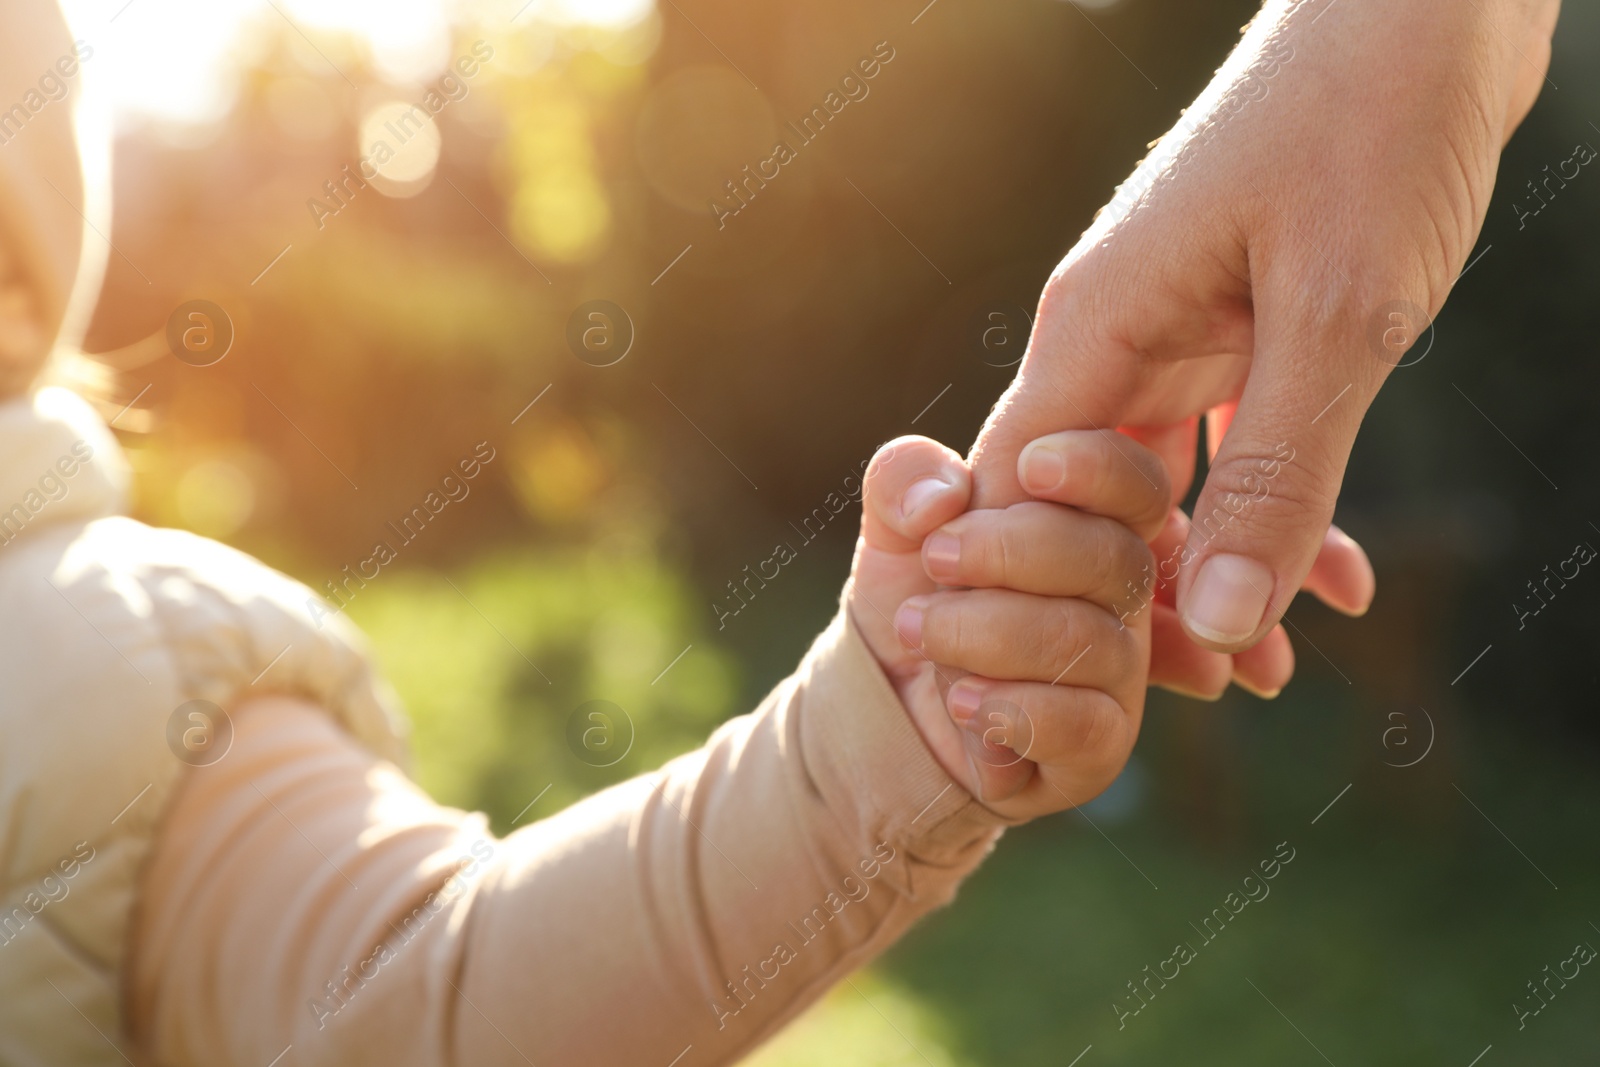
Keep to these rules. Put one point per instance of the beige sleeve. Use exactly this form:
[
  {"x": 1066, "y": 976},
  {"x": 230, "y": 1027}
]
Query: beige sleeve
[{"x": 304, "y": 899}]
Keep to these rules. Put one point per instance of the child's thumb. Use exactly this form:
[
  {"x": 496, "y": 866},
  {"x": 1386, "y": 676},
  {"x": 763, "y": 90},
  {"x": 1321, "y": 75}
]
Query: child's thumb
[{"x": 913, "y": 486}]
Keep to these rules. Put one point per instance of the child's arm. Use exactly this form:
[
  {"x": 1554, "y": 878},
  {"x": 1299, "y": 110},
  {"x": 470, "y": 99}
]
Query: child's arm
[
  {"x": 798, "y": 843},
  {"x": 300, "y": 894}
]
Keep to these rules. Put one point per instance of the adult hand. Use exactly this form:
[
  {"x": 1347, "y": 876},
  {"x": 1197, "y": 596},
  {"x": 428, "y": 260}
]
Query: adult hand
[{"x": 1268, "y": 264}]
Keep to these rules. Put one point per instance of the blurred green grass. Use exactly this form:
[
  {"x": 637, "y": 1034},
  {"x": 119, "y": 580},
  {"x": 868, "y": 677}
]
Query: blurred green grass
[{"x": 491, "y": 662}]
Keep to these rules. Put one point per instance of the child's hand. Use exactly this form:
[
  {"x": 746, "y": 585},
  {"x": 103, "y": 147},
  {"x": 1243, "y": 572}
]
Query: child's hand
[{"x": 1052, "y": 619}]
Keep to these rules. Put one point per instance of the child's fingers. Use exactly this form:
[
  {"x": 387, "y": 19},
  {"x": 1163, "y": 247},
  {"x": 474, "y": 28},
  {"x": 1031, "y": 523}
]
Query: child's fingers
[
  {"x": 912, "y": 486},
  {"x": 1099, "y": 471},
  {"x": 1044, "y": 549},
  {"x": 1006, "y": 634},
  {"x": 1080, "y": 731}
]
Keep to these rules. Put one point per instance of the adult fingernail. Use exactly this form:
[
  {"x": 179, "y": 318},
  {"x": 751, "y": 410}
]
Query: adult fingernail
[
  {"x": 920, "y": 494},
  {"x": 964, "y": 701},
  {"x": 1256, "y": 691},
  {"x": 941, "y": 556},
  {"x": 1192, "y": 694},
  {"x": 1043, "y": 469},
  {"x": 1228, "y": 599},
  {"x": 908, "y": 623}
]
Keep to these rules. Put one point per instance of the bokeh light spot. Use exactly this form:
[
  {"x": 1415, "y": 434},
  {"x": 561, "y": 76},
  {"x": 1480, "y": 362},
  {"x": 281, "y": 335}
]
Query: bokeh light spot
[{"x": 401, "y": 142}]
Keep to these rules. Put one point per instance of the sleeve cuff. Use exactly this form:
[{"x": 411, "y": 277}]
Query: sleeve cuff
[{"x": 873, "y": 758}]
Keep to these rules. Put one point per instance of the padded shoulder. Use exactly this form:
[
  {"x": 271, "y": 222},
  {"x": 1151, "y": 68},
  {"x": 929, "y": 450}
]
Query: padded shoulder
[{"x": 109, "y": 630}]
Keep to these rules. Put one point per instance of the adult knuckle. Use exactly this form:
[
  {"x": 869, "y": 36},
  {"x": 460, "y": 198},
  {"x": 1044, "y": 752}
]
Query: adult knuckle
[
  {"x": 1325, "y": 303},
  {"x": 1064, "y": 289},
  {"x": 1262, "y": 490}
]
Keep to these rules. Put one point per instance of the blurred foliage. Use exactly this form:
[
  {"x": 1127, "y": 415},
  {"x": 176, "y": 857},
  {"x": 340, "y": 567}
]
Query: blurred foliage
[
  {"x": 866, "y": 1020},
  {"x": 493, "y": 663},
  {"x": 383, "y": 347}
]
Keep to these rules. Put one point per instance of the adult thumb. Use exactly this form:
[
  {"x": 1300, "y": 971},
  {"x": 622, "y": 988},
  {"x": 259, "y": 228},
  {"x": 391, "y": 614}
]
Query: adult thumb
[{"x": 1263, "y": 513}]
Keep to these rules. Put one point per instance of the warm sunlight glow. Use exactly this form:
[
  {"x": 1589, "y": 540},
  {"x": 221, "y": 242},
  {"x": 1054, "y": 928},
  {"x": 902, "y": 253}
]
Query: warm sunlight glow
[
  {"x": 182, "y": 61},
  {"x": 602, "y": 13}
]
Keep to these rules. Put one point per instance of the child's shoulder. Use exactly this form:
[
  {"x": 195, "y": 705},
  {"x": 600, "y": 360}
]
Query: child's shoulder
[{"x": 122, "y": 648}]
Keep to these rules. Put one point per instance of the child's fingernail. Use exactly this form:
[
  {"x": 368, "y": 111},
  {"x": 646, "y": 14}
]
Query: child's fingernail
[
  {"x": 963, "y": 700},
  {"x": 919, "y": 494},
  {"x": 993, "y": 730},
  {"x": 1228, "y": 599},
  {"x": 1043, "y": 469},
  {"x": 941, "y": 556},
  {"x": 908, "y": 623}
]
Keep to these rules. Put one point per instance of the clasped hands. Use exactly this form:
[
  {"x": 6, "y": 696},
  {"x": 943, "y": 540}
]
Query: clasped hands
[{"x": 1023, "y": 599}]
